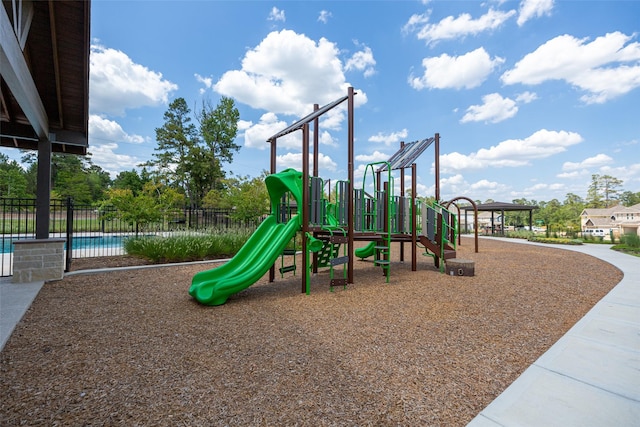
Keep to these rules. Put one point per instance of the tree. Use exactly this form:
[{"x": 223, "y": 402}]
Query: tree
[
  {"x": 176, "y": 139},
  {"x": 190, "y": 157},
  {"x": 71, "y": 176},
  {"x": 248, "y": 198},
  {"x": 132, "y": 180},
  {"x": 13, "y": 180},
  {"x": 218, "y": 130},
  {"x": 568, "y": 215},
  {"x": 628, "y": 198},
  {"x": 603, "y": 191},
  {"x": 155, "y": 203}
]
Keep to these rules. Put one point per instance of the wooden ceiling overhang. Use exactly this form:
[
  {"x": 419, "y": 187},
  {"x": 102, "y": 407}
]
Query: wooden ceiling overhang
[{"x": 44, "y": 68}]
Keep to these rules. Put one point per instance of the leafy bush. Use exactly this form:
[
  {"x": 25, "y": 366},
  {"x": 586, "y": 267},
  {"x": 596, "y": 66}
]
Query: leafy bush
[
  {"x": 188, "y": 247},
  {"x": 630, "y": 240},
  {"x": 555, "y": 240},
  {"x": 630, "y": 244},
  {"x": 520, "y": 234}
]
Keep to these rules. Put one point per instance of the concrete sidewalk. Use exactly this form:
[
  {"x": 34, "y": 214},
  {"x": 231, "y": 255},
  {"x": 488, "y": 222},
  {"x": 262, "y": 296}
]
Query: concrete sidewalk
[
  {"x": 590, "y": 377},
  {"x": 15, "y": 299}
]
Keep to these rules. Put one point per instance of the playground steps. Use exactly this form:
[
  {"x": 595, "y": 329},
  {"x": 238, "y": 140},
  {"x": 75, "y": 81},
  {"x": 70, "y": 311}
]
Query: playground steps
[
  {"x": 382, "y": 256},
  {"x": 447, "y": 252}
]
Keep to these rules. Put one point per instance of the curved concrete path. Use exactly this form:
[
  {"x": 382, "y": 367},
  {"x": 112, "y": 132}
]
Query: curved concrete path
[{"x": 590, "y": 377}]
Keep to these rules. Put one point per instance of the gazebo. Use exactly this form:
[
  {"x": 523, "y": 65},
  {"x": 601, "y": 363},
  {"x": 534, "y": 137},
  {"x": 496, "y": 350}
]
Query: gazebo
[{"x": 501, "y": 207}]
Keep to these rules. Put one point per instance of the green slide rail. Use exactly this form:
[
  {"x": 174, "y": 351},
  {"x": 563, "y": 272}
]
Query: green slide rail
[{"x": 259, "y": 253}]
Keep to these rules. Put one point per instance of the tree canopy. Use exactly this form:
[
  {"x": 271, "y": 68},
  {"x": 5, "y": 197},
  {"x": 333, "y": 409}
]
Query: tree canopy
[{"x": 189, "y": 157}]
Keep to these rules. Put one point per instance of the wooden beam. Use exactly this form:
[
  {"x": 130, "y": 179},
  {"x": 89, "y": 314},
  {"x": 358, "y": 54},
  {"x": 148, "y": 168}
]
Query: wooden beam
[
  {"x": 56, "y": 61},
  {"x": 16, "y": 73}
]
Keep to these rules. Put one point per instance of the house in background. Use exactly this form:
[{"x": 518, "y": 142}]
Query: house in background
[{"x": 617, "y": 220}]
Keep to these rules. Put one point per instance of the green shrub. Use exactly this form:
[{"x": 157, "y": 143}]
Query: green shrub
[
  {"x": 630, "y": 240},
  {"x": 520, "y": 234},
  {"x": 188, "y": 247},
  {"x": 555, "y": 240}
]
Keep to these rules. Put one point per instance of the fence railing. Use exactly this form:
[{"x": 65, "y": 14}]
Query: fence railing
[{"x": 91, "y": 232}]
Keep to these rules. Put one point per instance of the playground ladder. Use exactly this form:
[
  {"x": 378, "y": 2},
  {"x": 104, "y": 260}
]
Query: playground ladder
[{"x": 383, "y": 253}]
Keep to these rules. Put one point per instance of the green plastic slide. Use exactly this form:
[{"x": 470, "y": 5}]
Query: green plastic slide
[
  {"x": 366, "y": 251},
  {"x": 258, "y": 254},
  {"x": 213, "y": 287}
]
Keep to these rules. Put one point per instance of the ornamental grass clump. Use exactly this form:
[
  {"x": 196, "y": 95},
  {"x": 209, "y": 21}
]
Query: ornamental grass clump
[
  {"x": 629, "y": 243},
  {"x": 188, "y": 247}
]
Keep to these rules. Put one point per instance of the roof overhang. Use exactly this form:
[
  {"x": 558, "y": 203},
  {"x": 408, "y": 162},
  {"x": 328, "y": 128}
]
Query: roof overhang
[
  {"x": 44, "y": 68},
  {"x": 501, "y": 206}
]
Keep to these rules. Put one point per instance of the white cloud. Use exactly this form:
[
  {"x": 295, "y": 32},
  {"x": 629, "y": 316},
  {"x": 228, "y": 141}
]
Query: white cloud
[
  {"x": 453, "y": 28},
  {"x": 118, "y": 84},
  {"x": 294, "y": 160},
  {"x": 105, "y": 137},
  {"x": 362, "y": 61},
  {"x": 604, "y": 68},
  {"x": 630, "y": 173},
  {"x": 526, "y": 97},
  {"x": 376, "y": 156},
  {"x": 276, "y": 15},
  {"x": 390, "y": 138},
  {"x": 325, "y": 138},
  {"x": 278, "y": 75},
  {"x": 256, "y": 135},
  {"x": 486, "y": 186},
  {"x": 512, "y": 152},
  {"x": 105, "y": 155},
  {"x": 573, "y": 175},
  {"x": 530, "y": 9},
  {"x": 244, "y": 125},
  {"x": 358, "y": 173},
  {"x": 324, "y": 16},
  {"x": 456, "y": 72},
  {"x": 101, "y": 129},
  {"x": 494, "y": 109},
  {"x": 206, "y": 81},
  {"x": 592, "y": 162},
  {"x": 543, "y": 187}
]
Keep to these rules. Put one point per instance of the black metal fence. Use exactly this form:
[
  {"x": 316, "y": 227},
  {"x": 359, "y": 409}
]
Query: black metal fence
[{"x": 91, "y": 232}]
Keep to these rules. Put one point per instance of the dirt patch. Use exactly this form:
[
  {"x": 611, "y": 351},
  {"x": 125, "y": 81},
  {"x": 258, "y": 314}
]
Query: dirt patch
[
  {"x": 78, "y": 264},
  {"x": 133, "y": 348}
]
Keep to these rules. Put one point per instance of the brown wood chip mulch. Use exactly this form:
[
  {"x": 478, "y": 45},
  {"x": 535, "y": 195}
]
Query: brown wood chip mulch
[{"x": 132, "y": 347}]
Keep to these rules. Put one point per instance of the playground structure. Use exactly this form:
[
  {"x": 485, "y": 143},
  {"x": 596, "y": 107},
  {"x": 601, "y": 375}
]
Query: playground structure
[{"x": 330, "y": 229}]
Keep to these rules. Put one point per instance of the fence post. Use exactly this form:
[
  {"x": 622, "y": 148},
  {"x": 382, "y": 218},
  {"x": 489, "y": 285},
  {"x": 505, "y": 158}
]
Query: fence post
[{"x": 69, "y": 234}]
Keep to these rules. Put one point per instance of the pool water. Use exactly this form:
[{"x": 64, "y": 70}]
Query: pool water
[{"x": 79, "y": 242}]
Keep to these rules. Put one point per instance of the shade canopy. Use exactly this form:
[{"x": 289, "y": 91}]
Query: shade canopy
[{"x": 44, "y": 68}]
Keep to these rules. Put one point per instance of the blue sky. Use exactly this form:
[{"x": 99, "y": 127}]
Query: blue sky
[{"x": 530, "y": 97}]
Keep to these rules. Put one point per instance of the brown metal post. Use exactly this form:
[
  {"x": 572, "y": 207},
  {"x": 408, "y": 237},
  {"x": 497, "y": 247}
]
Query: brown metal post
[
  {"x": 437, "y": 167},
  {"x": 350, "y": 138},
  {"x": 316, "y": 139},
  {"x": 272, "y": 169},
  {"x": 414, "y": 221},
  {"x": 305, "y": 203},
  {"x": 402, "y": 210},
  {"x": 272, "y": 160},
  {"x": 316, "y": 150}
]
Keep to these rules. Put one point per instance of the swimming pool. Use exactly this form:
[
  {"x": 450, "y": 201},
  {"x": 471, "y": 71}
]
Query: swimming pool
[{"x": 78, "y": 243}]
